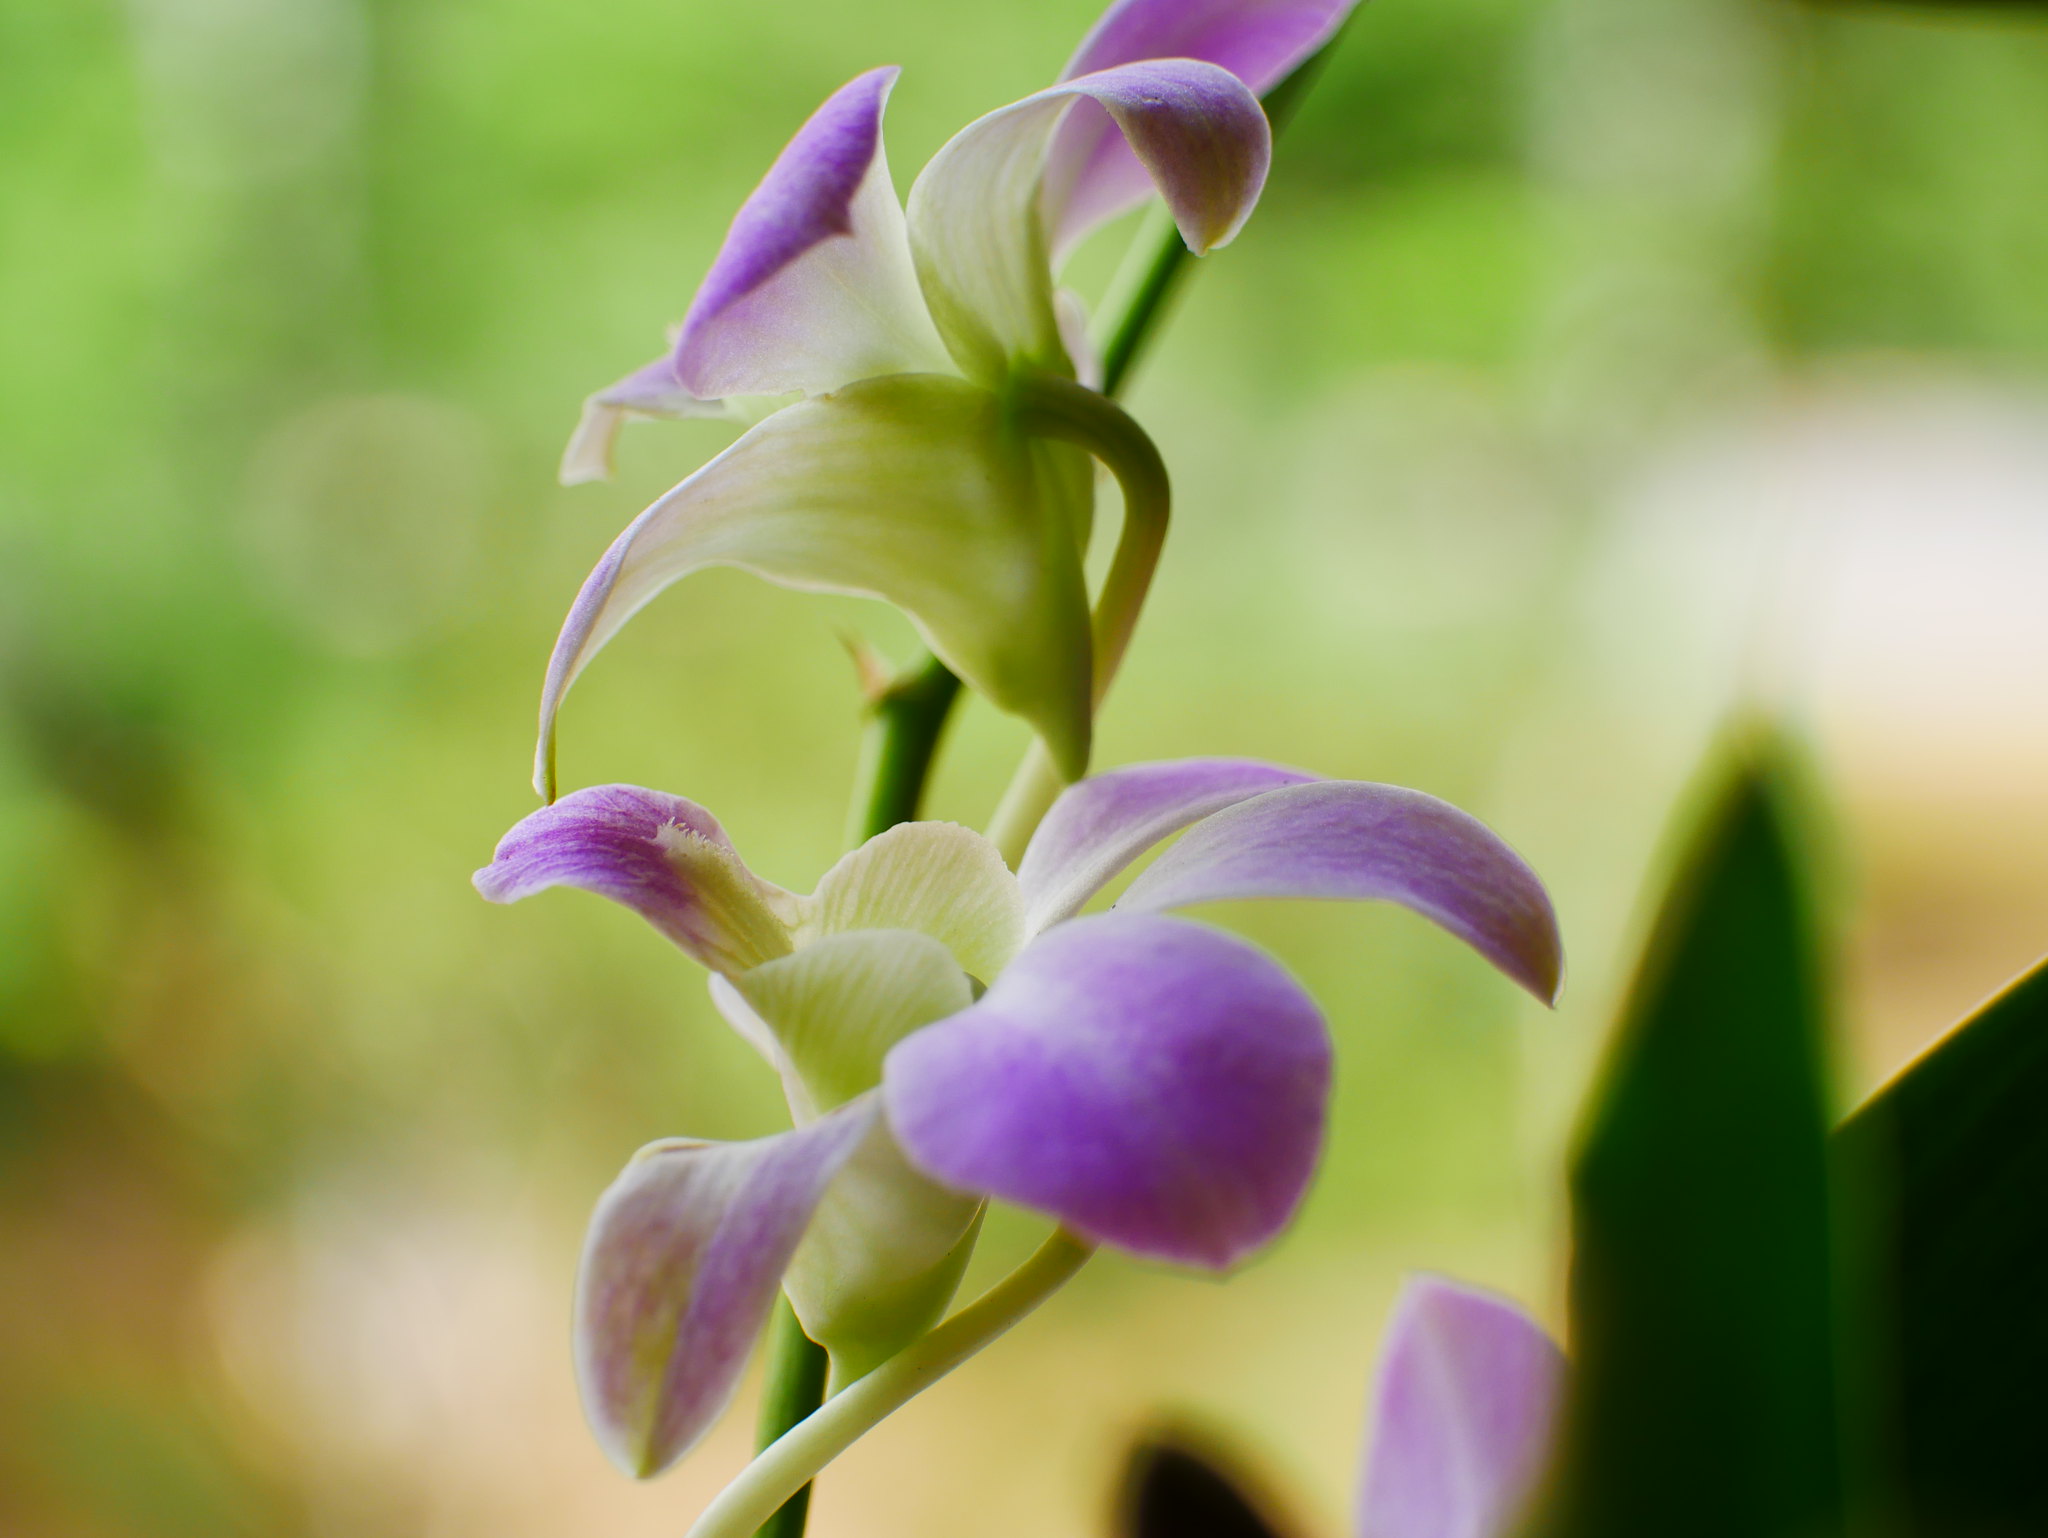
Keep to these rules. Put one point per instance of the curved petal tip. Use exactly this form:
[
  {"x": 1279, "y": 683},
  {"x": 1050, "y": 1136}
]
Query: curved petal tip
[{"x": 680, "y": 1270}]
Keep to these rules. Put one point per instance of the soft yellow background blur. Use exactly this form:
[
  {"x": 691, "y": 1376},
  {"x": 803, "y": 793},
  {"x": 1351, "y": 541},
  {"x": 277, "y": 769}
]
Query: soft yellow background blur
[{"x": 1593, "y": 367}]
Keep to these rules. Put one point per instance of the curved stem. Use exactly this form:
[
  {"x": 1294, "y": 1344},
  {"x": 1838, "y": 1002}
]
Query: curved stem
[
  {"x": 1059, "y": 408},
  {"x": 1052, "y": 407},
  {"x": 790, "y": 1464}
]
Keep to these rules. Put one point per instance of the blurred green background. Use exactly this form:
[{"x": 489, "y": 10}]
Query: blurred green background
[{"x": 1593, "y": 367}]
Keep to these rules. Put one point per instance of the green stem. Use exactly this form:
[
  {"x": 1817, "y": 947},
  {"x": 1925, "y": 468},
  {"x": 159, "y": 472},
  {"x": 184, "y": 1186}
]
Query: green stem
[
  {"x": 772, "y": 1482},
  {"x": 797, "y": 1368},
  {"x": 906, "y": 721},
  {"x": 1059, "y": 408}
]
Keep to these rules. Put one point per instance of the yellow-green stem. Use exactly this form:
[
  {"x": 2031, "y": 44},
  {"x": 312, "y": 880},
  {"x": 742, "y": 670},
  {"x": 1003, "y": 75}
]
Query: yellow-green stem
[{"x": 770, "y": 1482}]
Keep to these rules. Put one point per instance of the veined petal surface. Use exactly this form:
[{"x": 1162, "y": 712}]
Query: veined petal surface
[
  {"x": 1259, "y": 41},
  {"x": 1358, "y": 841},
  {"x": 937, "y": 878},
  {"x": 680, "y": 1269},
  {"x": 977, "y": 224},
  {"x": 1149, "y": 1082},
  {"x": 884, "y": 1253},
  {"x": 814, "y": 286},
  {"x": 882, "y": 1257},
  {"x": 1463, "y": 1410},
  {"x": 836, "y": 1006},
  {"x": 652, "y": 390},
  {"x": 1097, "y": 827},
  {"x": 662, "y": 856},
  {"x": 914, "y": 489}
]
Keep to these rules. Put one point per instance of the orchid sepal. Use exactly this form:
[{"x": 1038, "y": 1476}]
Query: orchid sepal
[
  {"x": 679, "y": 1273},
  {"x": 1259, "y": 41},
  {"x": 916, "y": 489},
  {"x": 978, "y": 212}
]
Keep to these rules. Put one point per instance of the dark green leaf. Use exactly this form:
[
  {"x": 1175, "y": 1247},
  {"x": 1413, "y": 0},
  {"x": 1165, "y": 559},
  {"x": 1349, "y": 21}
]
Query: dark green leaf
[
  {"x": 1705, "y": 1391},
  {"x": 1961, "y": 1139},
  {"x": 1173, "y": 1490}
]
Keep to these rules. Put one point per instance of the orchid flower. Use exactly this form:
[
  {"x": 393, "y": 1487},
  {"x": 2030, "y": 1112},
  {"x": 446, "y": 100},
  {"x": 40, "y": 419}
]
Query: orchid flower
[
  {"x": 948, "y": 1032},
  {"x": 911, "y": 371},
  {"x": 1463, "y": 1414}
]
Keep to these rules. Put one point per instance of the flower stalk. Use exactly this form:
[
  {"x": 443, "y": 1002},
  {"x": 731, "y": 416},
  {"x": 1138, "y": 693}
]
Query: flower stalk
[
  {"x": 1059, "y": 408},
  {"x": 772, "y": 1482}
]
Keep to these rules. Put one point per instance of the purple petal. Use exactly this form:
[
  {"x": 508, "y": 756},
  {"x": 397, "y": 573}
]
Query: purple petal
[
  {"x": 1259, "y": 41},
  {"x": 1462, "y": 1415},
  {"x": 1099, "y": 826},
  {"x": 814, "y": 286},
  {"x": 1352, "y": 840},
  {"x": 1151, "y": 1083},
  {"x": 976, "y": 210},
  {"x": 685, "y": 1253},
  {"x": 665, "y": 858},
  {"x": 652, "y": 390}
]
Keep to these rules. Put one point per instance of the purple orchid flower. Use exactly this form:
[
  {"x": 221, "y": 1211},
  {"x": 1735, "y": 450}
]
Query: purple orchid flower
[
  {"x": 899, "y": 362},
  {"x": 1463, "y": 1414},
  {"x": 949, "y": 1032}
]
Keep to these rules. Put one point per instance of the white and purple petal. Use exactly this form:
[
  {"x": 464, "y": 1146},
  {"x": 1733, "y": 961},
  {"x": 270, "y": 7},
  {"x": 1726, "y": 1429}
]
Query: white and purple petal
[
  {"x": 1463, "y": 1412},
  {"x": 1100, "y": 825},
  {"x": 814, "y": 286},
  {"x": 882, "y": 1258},
  {"x": 912, "y": 489},
  {"x": 680, "y": 1269},
  {"x": 662, "y": 856},
  {"x": 1357, "y": 841},
  {"x": 652, "y": 390},
  {"x": 1149, "y": 1082},
  {"x": 977, "y": 220},
  {"x": 1259, "y": 41}
]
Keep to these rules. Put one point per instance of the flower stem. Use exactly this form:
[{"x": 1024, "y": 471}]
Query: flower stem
[
  {"x": 797, "y": 1368},
  {"x": 769, "y": 1483},
  {"x": 907, "y": 719},
  {"x": 1059, "y": 408}
]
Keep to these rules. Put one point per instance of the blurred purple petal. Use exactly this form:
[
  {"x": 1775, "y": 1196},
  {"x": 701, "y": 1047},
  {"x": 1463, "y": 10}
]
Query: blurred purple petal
[
  {"x": 1462, "y": 1415},
  {"x": 1259, "y": 41},
  {"x": 680, "y": 1269},
  {"x": 976, "y": 210},
  {"x": 651, "y": 390},
  {"x": 1149, "y": 1082},
  {"x": 1357, "y": 841},
  {"x": 814, "y": 286},
  {"x": 1099, "y": 826},
  {"x": 665, "y": 858}
]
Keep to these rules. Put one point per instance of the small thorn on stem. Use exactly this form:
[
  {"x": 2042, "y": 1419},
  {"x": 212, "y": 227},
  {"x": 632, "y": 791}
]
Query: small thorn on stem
[{"x": 871, "y": 670}]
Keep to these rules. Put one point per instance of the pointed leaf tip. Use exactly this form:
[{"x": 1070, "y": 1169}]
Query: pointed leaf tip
[{"x": 1704, "y": 1324}]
